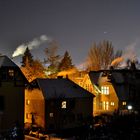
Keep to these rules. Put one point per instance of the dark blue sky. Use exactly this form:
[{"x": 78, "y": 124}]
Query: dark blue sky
[{"x": 75, "y": 24}]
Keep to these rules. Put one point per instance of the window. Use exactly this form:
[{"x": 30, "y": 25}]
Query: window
[
  {"x": 1, "y": 103},
  {"x": 112, "y": 103},
  {"x": 7, "y": 74},
  {"x": 27, "y": 102},
  {"x": 64, "y": 104},
  {"x": 105, "y": 105},
  {"x": 51, "y": 115},
  {"x": 11, "y": 72},
  {"x": 105, "y": 90},
  {"x": 124, "y": 103}
]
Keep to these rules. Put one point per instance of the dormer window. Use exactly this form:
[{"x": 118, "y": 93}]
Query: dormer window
[
  {"x": 123, "y": 103},
  {"x": 105, "y": 90}
]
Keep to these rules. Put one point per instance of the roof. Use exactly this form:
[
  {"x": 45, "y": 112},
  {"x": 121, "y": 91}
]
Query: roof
[
  {"x": 61, "y": 88},
  {"x": 120, "y": 79},
  {"x": 6, "y": 62},
  {"x": 120, "y": 76}
]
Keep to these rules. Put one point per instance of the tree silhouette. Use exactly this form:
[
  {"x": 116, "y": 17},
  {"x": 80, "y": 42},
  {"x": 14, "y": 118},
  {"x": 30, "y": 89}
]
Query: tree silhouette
[
  {"x": 31, "y": 68},
  {"x": 27, "y": 58},
  {"x": 66, "y": 62}
]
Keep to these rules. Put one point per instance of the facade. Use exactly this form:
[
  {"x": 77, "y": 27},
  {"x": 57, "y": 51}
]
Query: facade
[
  {"x": 56, "y": 104},
  {"x": 12, "y": 84},
  {"x": 117, "y": 90}
]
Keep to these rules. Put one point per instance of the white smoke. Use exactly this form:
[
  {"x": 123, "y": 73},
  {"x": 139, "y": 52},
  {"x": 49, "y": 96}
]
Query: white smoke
[
  {"x": 130, "y": 52},
  {"x": 35, "y": 43}
]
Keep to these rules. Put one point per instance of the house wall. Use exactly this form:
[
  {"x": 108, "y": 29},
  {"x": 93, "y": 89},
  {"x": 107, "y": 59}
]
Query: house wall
[
  {"x": 13, "y": 109},
  {"x": 77, "y": 110},
  {"x": 34, "y": 107},
  {"x": 103, "y": 99}
]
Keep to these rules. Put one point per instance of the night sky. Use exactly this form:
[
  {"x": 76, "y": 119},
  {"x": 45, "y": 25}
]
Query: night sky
[{"x": 75, "y": 24}]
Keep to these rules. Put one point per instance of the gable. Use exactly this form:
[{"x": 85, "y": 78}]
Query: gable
[{"x": 5, "y": 61}]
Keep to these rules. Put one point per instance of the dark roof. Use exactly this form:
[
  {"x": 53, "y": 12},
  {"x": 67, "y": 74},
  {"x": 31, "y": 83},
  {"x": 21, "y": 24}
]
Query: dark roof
[
  {"x": 61, "y": 88},
  {"x": 120, "y": 79},
  {"x": 119, "y": 76},
  {"x": 94, "y": 76},
  {"x": 6, "y": 62}
]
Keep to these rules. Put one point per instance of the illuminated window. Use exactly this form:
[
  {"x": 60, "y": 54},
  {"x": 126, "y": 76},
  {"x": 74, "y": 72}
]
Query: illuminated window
[
  {"x": 64, "y": 104},
  {"x": 105, "y": 90},
  {"x": 105, "y": 105},
  {"x": 112, "y": 103},
  {"x": 27, "y": 102},
  {"x": 123, "y": 103},
  {"x": 11, "y": 72},
  {"x": 51, "y": 115}
]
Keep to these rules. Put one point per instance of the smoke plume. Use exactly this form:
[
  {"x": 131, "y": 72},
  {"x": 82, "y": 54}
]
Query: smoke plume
[
  {"x": 117, "y": 61},
  {"x": 35, "y": 43},
  {"x": 130, "y": 52}
]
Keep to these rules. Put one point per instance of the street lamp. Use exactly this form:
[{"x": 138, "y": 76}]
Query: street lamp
[{"x": 129, "y": 107}]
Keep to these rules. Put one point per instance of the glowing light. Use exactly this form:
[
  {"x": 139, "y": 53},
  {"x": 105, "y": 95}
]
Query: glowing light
[{"x": 129, "y": 107}]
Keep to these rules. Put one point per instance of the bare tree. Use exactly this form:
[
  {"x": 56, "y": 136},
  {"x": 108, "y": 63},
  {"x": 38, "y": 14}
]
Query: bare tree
[
  {"x": 53, "y": 59},
  {"x": 101, "y": 55}
]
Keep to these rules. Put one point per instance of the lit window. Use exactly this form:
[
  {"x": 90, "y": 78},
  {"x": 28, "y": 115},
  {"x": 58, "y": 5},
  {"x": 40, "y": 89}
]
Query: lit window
[
  {"x": 11, "y": 72},
  {"x": 105, "y": 105},
  {"x": 105, "y": 90},
  {"x": 64, "y": 104},
  {"x": 27, "y": 102},
  {"x": 51, "y": 115},
  {"x": 123, "y": 103},
  {"x": 112, "y": 103}
]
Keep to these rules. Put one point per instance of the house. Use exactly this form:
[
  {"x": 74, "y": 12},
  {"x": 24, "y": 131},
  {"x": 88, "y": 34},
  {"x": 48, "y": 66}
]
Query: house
[
  {"x": 12, "y": 84},
  {"x": 56, "y": 104},
  {"x": 116, "y": 90}
]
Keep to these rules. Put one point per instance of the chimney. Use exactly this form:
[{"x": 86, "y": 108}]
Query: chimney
[
  {"x": 133, "y": 65},
  {"x": 59, "y": 77},
  {"x": 111, "y": 68}
]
